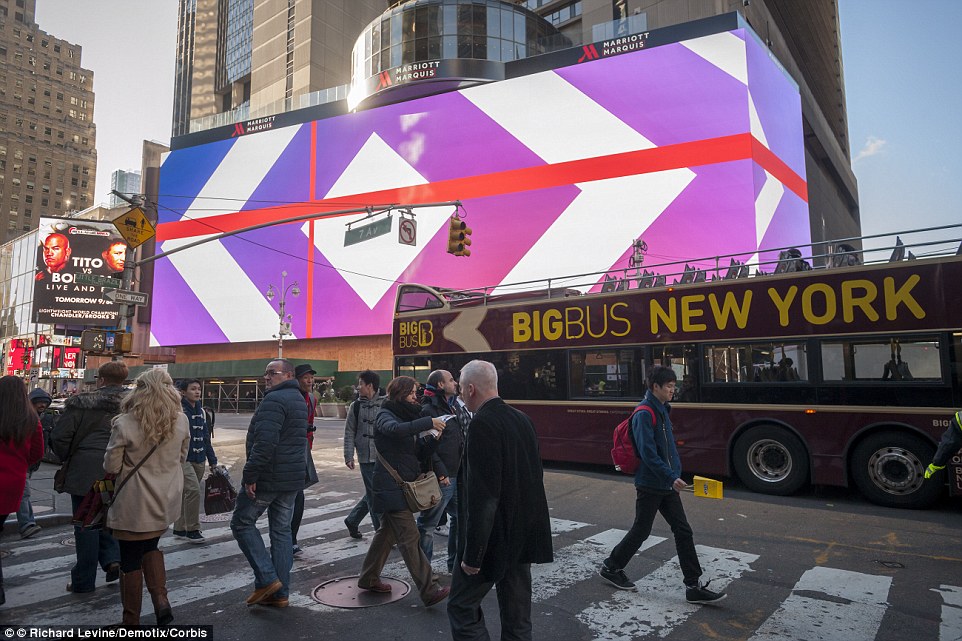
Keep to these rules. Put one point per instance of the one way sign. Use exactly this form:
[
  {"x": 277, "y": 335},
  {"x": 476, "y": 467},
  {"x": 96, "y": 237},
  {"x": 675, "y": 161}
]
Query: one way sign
[{"x": 126, "y": 296}]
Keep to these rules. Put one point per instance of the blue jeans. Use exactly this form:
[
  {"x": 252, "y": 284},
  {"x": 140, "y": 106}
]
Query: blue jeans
[
  {"x": 276, "y": 565},
  {"x": 429, "y": 519},
  {"x": 92, "y": 546},
  {"x": 364, "y": 505},
  {"x": 25, "y": 513}
]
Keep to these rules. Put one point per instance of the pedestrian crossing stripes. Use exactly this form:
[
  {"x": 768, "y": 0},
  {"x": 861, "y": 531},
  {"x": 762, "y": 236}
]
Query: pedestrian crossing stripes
[{"x": 819, "y": 603}]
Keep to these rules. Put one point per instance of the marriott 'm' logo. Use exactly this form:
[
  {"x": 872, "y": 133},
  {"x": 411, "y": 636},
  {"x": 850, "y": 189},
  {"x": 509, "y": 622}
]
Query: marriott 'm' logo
[
  {"x": 589, "y": 53},
  {"x": 383, "y": 80},
  {"x": 238, "y": 130}
]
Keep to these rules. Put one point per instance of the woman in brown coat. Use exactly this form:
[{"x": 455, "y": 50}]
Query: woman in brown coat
[{"x": 150, "y": 426}]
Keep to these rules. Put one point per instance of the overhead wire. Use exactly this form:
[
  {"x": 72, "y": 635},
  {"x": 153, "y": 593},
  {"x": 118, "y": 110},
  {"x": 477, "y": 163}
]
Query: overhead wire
[{"x": 273, "y": 249}]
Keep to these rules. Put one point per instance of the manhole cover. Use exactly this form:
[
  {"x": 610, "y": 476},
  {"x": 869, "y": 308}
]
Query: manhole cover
[
  {"x": 216, "y": 518},
  {"x": 68, "y": 542},
  {"x": 344, "y": 593}
]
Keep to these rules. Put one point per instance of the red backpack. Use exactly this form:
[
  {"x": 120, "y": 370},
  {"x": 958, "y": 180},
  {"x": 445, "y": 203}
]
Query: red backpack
[{"x": 624, "y": 454}]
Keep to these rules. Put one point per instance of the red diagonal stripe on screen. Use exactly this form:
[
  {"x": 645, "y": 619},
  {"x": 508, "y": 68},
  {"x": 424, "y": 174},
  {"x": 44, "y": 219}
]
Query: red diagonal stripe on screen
[{"x": 688, "y": 154}]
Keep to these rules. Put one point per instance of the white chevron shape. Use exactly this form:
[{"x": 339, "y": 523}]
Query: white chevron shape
[
  {"x": 237, "y": 306},
  {"x": 756, "y": 124},
  {"x": 528, "y": 108},
  {"x": 602, "y": 221},
  {"x": 629, "y": 204},
  {"x": 765, "y": 206},
  {"x": 375, "y": 167},
  {"x": 724, "y": 50}
]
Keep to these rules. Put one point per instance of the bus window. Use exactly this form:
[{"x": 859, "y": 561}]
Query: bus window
[
  {"x": 412, "y": 298},
  {"x": 606, "y": 373},
  {"x": 756, "y": 363},
  {"x": 914, "y": 359},
  {"x": 417, "y": 367},
  {"x": 534, "y": 375},
  {"x": 683, "y": 360}
]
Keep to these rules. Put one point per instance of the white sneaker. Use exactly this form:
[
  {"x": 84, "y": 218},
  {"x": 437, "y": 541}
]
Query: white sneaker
[{"x": 442, "y": 530}]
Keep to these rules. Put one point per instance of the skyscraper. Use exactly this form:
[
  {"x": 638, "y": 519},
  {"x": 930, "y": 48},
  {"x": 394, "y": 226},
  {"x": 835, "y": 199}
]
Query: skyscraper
[
  {"x": 238, "y": 56},
  {"x": 48, "y": 157},
  {"x": 126, "y": 182}
]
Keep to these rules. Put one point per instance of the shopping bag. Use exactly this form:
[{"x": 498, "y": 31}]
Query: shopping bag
[
  {"x": 92, "y": 511},
  {"x": 705, "y": 488},
  {"x": 219, "y": 493}
]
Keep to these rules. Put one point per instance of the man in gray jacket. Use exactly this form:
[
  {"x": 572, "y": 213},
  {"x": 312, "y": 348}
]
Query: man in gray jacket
[
  {"x": 273, "y": 474},
  {"x": 359, "y": 436}
]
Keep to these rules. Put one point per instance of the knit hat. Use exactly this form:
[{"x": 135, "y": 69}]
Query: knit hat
[{"x": 38, "y": 395}]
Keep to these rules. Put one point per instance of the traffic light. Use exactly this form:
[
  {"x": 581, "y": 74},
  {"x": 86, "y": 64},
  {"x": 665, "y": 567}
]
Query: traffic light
[{"x": 459, "y": 237}]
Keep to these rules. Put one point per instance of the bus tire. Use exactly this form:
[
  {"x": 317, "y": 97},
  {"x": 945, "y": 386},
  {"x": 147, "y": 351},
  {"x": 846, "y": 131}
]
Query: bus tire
[
  {"x": 889, "y": 467},
  {"x": 771, "y": 460}
]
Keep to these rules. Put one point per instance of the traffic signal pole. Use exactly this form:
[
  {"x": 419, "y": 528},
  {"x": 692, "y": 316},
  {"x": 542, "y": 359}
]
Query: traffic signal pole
[{"x": 128, "y": 277}]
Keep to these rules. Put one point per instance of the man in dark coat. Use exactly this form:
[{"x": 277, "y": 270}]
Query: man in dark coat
[
  {"x": 80, "y": 440},
  {"x": 503, "y": 511},
  {"x": 273, "y": 474},
  {"x": 437, "y": 402}
]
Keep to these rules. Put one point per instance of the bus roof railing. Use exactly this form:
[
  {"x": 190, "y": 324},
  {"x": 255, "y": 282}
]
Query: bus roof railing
[{"x": 917, "y": 244}]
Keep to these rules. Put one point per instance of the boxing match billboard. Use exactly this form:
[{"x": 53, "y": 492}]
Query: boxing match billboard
[
  {"x": 695, "y": 146},
  {"x": 69, "y": 247}
]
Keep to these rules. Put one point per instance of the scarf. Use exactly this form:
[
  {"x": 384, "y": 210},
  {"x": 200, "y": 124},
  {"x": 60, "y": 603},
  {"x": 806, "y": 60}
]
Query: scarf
[{"x": 403, "y": 411}]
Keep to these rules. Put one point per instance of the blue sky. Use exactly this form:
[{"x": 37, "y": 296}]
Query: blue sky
[{"x": 903, "y": 82}]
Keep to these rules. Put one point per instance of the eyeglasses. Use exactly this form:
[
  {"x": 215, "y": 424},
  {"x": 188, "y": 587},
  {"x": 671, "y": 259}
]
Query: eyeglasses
[{"x": 270, "y": 373}]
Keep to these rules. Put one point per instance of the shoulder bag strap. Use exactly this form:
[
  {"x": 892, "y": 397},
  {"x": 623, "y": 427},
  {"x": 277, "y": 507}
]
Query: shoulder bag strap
[
  {"x": 391, "y": 470},
  {"x": 78, "y": 437},
  {"x": 134, "y": 471}
]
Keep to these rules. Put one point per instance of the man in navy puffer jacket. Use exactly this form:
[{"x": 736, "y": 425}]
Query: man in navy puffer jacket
[{"x": 274, "y": 472}]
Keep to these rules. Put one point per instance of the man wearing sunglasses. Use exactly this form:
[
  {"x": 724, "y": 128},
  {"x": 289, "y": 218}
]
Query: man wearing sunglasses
[{"x": 273, "y": 474}]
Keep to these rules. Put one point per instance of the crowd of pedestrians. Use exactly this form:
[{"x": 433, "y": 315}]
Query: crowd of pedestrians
[{"x": 483, "y": 452}]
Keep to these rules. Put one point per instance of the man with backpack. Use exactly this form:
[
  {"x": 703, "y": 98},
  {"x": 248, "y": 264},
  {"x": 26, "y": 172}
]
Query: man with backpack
[
  {"x": 657, "y": 484},
  {"x": 359, "y": 436}
]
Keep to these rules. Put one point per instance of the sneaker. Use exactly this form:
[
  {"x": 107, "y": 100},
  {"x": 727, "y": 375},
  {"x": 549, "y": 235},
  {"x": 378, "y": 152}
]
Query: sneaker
[
  {"x": 297, "y": 550},
  {"x": 701, "y": 594},
  {"x": 442, "y": 530},
  {"x": 194, "y": 536},
  {"x": 29, "y": 531},
  {"x": 617, "y": 578},
  {"x": 180, "y": 534}
]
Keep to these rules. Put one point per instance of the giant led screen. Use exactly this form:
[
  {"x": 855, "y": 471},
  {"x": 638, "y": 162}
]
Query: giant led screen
[{"x": 695, "y": 147}]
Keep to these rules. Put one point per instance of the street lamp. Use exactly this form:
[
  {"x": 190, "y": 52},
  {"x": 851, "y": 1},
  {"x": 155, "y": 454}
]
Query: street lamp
[{"x": 284, "y": 323}]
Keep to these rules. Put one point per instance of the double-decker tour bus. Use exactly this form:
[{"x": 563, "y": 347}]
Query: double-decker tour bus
[{"x": 830, "y": 376}]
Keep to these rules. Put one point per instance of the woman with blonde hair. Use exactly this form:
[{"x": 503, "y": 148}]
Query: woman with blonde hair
[{"x": 150, "y": 428}]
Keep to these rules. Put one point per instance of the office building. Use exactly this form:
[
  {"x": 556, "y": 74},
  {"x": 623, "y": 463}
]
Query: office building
[
  {"x": 126, "y": 182},
  {"x": 238, "y": 57},
  {"x": 48, "y": 157}
]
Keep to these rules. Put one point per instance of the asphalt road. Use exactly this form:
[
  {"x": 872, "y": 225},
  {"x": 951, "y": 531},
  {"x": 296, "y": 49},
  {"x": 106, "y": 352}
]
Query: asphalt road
[{"x": 824, "y": 565}]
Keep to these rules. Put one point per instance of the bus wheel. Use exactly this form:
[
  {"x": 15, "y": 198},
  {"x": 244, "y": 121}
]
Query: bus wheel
[
  {"x": 771, "y": 460},
  {"x": 889, "y": 469}
]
